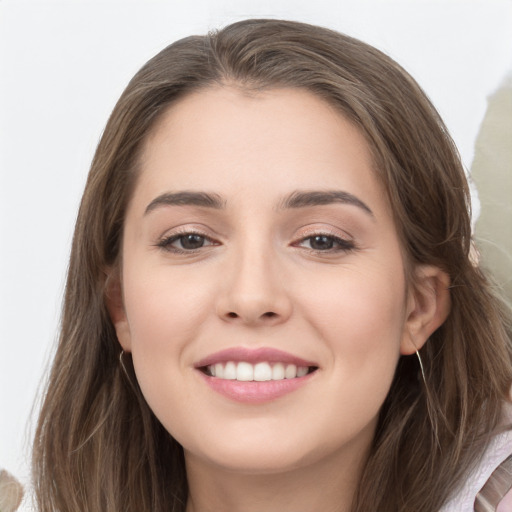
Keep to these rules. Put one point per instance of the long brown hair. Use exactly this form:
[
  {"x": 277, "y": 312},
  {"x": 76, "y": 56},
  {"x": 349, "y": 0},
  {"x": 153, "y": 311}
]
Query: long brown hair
[{"x": 98, "y": 446}]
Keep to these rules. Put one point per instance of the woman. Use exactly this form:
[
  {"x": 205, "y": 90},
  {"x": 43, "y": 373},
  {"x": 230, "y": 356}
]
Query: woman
[{"x": 271, "y": 303}]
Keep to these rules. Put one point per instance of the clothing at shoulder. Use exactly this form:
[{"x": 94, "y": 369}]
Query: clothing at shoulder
[
  {"x": 11, "y": 492},
  {"x": 498, "y": 451}
]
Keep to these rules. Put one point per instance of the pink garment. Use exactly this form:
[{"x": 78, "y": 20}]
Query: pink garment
[
  {"x": 498, "y": 450},
  {"x": 506, "y": 503}
]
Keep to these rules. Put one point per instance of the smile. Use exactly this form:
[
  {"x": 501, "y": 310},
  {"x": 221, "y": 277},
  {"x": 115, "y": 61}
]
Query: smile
[
  {"x": 255, "y": 376},
  {"x": 259, "y": 372}
]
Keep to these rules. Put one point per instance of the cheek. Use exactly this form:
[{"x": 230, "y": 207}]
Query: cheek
[
  {"x": 361, "y": 321},
  {"x": 165, "y": 313},
  {"x": 164, "y": 306},
  {"x": 358, "y": 310}
]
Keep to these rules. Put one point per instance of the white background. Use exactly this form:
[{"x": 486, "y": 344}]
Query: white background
[{"x": 64, "y": 63}]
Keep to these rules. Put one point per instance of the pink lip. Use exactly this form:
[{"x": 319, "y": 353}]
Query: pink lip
[
  {"x": 253, "y": 392},
  {"x": 253, "y": 356}
]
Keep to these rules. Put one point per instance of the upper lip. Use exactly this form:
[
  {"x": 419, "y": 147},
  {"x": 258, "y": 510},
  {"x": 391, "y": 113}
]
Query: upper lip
[{"x": 253, "y": 356}]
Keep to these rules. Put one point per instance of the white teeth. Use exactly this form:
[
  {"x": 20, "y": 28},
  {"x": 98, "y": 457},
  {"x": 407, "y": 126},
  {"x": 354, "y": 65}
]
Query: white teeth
[
  {"x": 259, "y": 372},
  {"x": 230, "y": 371},
  {"x": 219, "y": 370},
  {"x": 278, "y": 371},
  {"x": 302, "y": 371},
  {"x": 262, "y": 371},
  {"x": 290, "y": 372},
  {"x": 244, "y": 372}
]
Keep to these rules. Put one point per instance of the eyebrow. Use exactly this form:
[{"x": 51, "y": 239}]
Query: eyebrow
[
  {"x": 297, "y": 199},
  {"x": 303, "y": 199},
  {"x": 187, "y": 198}
]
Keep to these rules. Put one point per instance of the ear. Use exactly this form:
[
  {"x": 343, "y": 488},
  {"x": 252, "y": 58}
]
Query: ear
[
  {"x": 428, "y": 306},
  {"x": 115, "y": 306}
]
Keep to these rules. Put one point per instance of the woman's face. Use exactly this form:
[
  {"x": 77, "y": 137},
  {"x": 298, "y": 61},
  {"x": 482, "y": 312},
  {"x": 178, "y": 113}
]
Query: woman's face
[{"x": 259, "y": 245}]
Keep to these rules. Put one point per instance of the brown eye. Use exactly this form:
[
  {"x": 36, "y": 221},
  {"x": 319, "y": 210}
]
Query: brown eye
[
  {"x": 321, "y": 242},
  {"x": 326, "y": 243},
  {"x": 191, "y": 241},
  {"x": 186, "y": 242}
]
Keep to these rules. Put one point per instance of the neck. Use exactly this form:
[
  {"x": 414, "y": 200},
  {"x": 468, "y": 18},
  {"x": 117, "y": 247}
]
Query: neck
[{"x": 328, "y": 485}]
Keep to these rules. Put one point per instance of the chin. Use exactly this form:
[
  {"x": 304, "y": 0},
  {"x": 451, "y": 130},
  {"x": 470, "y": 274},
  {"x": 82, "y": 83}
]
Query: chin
[
  {"x": 255, "y": 461},
  {"x": 264, "y": 450}
]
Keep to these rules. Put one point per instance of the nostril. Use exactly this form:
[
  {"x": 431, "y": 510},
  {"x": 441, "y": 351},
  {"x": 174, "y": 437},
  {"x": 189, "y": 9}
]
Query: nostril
[{"x": 263, "y": 316}]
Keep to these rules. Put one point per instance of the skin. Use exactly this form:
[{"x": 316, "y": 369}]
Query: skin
[{"x": 261, "y": 280}]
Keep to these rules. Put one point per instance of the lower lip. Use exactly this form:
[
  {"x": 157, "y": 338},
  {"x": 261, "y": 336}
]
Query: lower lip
[{"x": 253, "y": 392}]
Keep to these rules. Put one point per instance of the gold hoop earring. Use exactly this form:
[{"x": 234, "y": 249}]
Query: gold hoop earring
[
  {"x": 122, "y": 362},
  {"x": 125, "y": 371},
  {"x": 422, "y": 369},
  {"x": 430, "y": 403},
  {"x": 421, "y": 364}
]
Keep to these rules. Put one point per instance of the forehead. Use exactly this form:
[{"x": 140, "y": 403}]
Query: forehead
[{"x": 222, "y": 139}]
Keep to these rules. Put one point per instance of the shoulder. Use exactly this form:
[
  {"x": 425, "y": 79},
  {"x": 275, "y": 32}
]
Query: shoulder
[{"x": 490, "y": 479}]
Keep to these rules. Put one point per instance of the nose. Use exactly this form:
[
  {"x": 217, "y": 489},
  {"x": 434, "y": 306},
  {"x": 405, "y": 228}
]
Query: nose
[{"x": 254, "y": 292}]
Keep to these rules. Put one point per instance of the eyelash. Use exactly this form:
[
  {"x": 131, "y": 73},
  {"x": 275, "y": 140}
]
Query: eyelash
[
  {"x": 343, "y": 244},
  {"x": 166, "y": 243}
]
